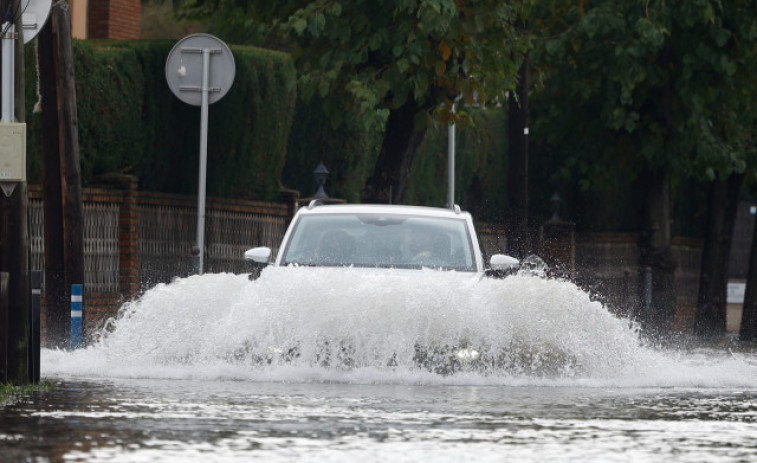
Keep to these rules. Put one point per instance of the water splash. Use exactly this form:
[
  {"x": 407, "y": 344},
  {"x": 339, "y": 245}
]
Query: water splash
[{"x": 335, "y": 325}]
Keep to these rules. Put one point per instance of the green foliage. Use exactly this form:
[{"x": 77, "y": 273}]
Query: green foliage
[
  {"x": 372, "y": 57},
  {"x": 130, "y": 121},
  {"x": 109, "y": 100},
  {"x": 369, "y": 57},
  {"x": 624, "y": 83},
  {"x": 348, "y": 153},
  {"x": 11, "y": 393},
  {"x": 239, "y": 21},
  {"x": 256, "y": 116}
]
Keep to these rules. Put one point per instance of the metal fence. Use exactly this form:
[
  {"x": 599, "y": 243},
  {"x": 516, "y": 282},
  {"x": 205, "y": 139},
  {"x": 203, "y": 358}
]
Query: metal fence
[
  {"x": 101, "y": 251},
  {"x": 607, "y": 263},
  {"x": 166, "y": 237},
  {"x": 167, "y": 234},
  {"x": 231, "y": 233},
  {"x": 101, "y": 247},
  {"x": 610, "y": 268},
  {"x": 36, "y": 234}
]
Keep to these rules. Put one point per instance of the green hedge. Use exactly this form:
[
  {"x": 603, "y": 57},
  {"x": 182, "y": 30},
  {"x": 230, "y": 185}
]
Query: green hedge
[
  {"x": 130, "y": 121},
  {"x": 261, "y": 137},
  {"x": 348, "y": 155}
]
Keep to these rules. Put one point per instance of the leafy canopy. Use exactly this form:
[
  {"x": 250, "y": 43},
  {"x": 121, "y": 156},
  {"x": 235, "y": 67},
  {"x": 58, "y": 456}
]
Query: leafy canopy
[
  {"x": 371, "y": 57},
  {"x": 668, "y": 83}
]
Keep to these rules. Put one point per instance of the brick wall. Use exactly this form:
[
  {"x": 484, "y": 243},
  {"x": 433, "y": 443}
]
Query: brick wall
[
  {"x": 606, "y": 264},
  {"x": 99, "y": 304},
  {"x": 114, "y": 19}
]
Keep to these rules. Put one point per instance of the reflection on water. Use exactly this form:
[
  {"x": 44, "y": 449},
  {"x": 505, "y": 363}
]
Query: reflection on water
[
  {"x": 193, "y": 420},
  {"x": 194, "y": 371}
]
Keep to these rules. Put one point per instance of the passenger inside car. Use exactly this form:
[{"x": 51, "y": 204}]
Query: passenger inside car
[
  {"x": 429, "y": 248},
  {"x": 336, "y": 247}
]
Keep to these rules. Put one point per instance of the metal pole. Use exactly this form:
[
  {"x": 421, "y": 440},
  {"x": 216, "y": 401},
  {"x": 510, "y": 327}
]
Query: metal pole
[
  {"x": 35, "y": 325},
  {"x": 203, "y": 159},
  {"x": 8, "y": 71},
  {"x": 451, "y": 162},
  {"x": 647, "y": 291},
  {"x": 4, "y": 344},
  {"x": 77, "y": 314}
]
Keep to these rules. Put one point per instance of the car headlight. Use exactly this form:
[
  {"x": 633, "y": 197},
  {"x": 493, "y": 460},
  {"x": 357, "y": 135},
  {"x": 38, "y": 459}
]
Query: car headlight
[
  {"x": 273, "y": 350},
  {"x": 467, "y": 354}
]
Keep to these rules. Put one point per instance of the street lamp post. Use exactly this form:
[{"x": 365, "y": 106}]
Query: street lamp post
[{"x": 321, "y": 174}]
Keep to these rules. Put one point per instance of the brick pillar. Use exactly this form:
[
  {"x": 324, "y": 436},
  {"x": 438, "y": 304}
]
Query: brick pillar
[
  {"x": 114, "y": 19},
  {"x": 558, "y": 245},
  {"x": 128, "y": 239},
  {"x": 290, "y": 198},
  {"x": 128, "y": 232}
]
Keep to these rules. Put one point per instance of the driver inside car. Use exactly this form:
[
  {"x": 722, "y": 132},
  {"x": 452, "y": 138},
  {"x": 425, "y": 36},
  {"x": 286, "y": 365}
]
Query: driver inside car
[{"x": 429, "y": 248}]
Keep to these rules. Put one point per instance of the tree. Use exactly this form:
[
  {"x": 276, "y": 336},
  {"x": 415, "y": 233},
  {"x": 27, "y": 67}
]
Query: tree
[
  {"x": 723, "y": 196},
  {"x": 748, "y": 330},
  {"x": 518, "y": 239},
  {"x": 391, "y": 65},
  {"x": 728, "y": 48},
  {"x": 651, "y": 91},
  {"x": 64, "y": 235}
]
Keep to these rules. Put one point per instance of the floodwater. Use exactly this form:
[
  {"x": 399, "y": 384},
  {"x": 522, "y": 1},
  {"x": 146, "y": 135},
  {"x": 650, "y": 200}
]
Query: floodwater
[{"x": 305, "y": 365}]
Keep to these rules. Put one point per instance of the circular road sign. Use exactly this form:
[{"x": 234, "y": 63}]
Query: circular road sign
[
  {"x": 184, "y": 68},
  {"x": 34, "y": 17}
]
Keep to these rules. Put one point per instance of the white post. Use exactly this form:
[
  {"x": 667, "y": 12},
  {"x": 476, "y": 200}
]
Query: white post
[
  {"x": 451, "y": 162},
  {"x": 77, "y": 316},
  {"x": 8, "y": 71},
  {"x": 203, "y": 157}
]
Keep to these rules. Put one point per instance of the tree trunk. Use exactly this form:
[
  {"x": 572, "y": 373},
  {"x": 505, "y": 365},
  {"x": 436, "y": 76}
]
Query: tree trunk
[
  {"x": 657, "y": 266},
  {"x": 57, "y": 312},
  {"x": 518, "y": 242},
  {"x": 748, "y": 330},
  {"x": 64, "y": 248},
  {"x": 722, "y": 200},
  {"x": 401, "y": 141},
  {"x": 68, "y": 134}
]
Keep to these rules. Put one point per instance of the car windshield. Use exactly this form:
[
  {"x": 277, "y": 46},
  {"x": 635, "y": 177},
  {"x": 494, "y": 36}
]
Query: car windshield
[{"x": 380, "y": 240}]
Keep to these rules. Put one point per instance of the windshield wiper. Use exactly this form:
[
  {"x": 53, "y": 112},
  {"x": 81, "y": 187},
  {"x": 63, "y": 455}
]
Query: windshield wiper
[{"x": 301, "y": 264}]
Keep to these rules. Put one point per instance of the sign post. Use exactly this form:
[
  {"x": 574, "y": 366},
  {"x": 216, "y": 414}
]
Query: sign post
[
  {"x": 200, "y": 70},
  {"x": 77, "y": 315}
]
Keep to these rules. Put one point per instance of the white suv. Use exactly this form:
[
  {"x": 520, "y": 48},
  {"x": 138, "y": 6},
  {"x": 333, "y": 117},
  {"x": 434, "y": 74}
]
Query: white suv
[{"x": 382, "y": 237}]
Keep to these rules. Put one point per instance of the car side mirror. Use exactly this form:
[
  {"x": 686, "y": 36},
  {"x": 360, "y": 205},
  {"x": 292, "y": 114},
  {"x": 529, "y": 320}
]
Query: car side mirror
[
  {"x": 261, "y": 255},
  {"x": 503, "y": 263}
]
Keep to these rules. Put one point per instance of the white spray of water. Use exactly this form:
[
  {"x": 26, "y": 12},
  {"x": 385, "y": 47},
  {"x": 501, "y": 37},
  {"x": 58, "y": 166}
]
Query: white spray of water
[{"x": 335, "y": 325}]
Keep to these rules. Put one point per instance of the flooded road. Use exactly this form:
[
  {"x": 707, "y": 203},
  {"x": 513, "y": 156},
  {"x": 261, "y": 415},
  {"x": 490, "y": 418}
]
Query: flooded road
[
  {"x": 236, "y": 421},
  {"x": 291, "y": 368}
]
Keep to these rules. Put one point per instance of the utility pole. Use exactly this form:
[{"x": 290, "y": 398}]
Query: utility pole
[
  {"x": 56, "y": 305},
  {"x": 61, "y": 180},
  {"x": 14, "y": 230},
  {"x": 518, "y": 233}
]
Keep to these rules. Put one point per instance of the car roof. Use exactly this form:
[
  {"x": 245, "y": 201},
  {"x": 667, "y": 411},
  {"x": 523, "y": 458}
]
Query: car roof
[{"x": 383, "y": 209}]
